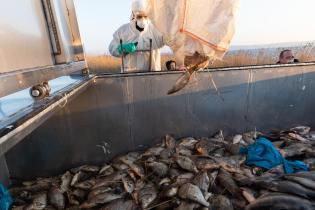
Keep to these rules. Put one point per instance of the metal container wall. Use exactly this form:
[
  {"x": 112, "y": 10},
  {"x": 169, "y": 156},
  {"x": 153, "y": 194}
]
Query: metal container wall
[
  {"x": 24, "y": 39},
  {"x": 130, "y": 112},
  {"x": 26, "y": 36}
]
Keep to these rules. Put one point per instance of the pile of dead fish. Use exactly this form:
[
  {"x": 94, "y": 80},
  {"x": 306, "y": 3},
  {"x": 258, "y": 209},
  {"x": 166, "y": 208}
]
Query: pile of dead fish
[{"x": 187, "y": 173}]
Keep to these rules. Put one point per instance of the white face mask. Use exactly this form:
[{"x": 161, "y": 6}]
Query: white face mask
[{"x": 142, "y": 23}]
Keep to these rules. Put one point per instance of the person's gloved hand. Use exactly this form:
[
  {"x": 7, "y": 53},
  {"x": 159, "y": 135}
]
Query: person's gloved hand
[{"x": 127, "y": 48}]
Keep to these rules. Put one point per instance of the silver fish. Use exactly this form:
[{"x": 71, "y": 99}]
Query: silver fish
[
  {"x": 147, "y": 195},
  {"x": 100, "y": 199},
  {"x": 106, "y": 170},
  {"x": 129, "y": 185},
  {"x": 98, "y": 191},
  {"x": 193, "y": 193},
  {"x": 288, "y": 202},
  {"x": 170, "y": 142},
  {"x": 65, "y": 181},
  {"x": 56, "y": 198},
  {"x": 187, "y": 206},
  {"x": 158, "y": 168},
  {"x": 188, "y": 142},
  {"x": 193, "y": 63},
  {"x": 202, "y": 181},
  {"x": 39, "y": 202},
  {"x": 221, "y": 202},
  {"x": 120, "y": 204},
  {"x": 186, "y": 163}
]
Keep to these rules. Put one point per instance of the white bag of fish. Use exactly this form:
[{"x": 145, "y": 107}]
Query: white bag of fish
[{"x": 184, "y": 174}]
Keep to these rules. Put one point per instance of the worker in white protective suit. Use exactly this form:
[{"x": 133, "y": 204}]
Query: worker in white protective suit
[{"x": 132, "y": 41}]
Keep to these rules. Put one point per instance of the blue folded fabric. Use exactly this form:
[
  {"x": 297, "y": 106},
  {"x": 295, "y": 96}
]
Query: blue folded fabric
[
  {"x": 5, "y": 198},
  {"x": 263, "y": 154}
]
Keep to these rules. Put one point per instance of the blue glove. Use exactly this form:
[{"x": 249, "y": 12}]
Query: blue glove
[
  {"x": 5, "y": 198},
  {"x": 127, "y": 48}
]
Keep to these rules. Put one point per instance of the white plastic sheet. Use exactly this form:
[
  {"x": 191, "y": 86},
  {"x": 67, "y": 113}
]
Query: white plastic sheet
[{"x": 205, "y": 26}]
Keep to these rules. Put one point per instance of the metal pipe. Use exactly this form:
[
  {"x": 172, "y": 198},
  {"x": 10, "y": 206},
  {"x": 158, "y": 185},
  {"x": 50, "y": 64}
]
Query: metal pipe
[
  {"x": 122, "y": 57},
  {"x": 150, "y": 66}
]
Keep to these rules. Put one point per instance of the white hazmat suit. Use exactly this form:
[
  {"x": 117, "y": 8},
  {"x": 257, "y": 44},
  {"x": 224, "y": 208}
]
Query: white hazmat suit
[{"x": 130, "y": 33}]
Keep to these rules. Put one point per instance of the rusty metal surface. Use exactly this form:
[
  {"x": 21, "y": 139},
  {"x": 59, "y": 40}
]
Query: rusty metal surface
[{"x": 128, "y": 112}]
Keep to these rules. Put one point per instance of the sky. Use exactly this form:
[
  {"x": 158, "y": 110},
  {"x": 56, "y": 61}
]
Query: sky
[{"x": 258, "y": 22}]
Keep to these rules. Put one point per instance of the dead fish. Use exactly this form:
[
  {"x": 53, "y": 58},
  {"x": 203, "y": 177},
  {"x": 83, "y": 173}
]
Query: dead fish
[
  {"x": 106, "y": 170},
  {"x": 158, "y": 168},
  {"x": 206, "y": 164},
  {"x": 187, "y": 206},
  {"x": 193, "y": 193},
  {"x": 153, "y": 151},
  {"x": 86, "y": 185},
  {"x": 39, "y": 202},
  {"x": 302, "y": 181},
  {"x": 202, "y": 181},
  {"x": 237, "y": 139},
  {"x": 169, "y": 192},
  {"x": 292, "y": 188},
  {"x": 72, "y": 199},
  {"x": 186, "y": 163},
  {"x": 76, "y": 178},
  {"x": 79, "y": 193},
  {"x": 287, "y": 202},
  {"x": 193, "y": 63},
  {"x": 212, "y": 175},
  {"x": 219, "y": 152},
  {"x": 308, "y": 175},
  {"x": 165, "y": 181},
  {"x": 205, "y": 147},
  {"x": 120, "y": 166},
  {"x": 129, "y": 158},
  {"x": 120, "y": 204},
  {"x": 173, "y": 173},
  {"x": 90, "y": 168},
  {"x": 109, "y": 180},
  {"x": 166, "y": 154},
  {"x": 298, "y": 137},
  {"x": 183, "y": 151},
  {"x": 167, "y": 205},
  {"x": 56, "y": 198},
  {"x": 147, "y": 195},
  {"x": 248, "y": 195},
  {"x": 296, "y": 150},
  {"x": 100, "y": 199},
  {"x": 188, "y": 142},
  {"x": 301, "y": 130},
  {"x": 227, "y": 181},
  {"x": 184, "y": 178},
  {"x": 221, "y": 202},
  {"x": 98, "y": 191},
  {"x": 170, "y": 142},
  {"x": 129, "y": 185},
  {"x": 38, "y": 187},
  {"x": 233, "y": 149},
  {"x": 65, "y": 182}
]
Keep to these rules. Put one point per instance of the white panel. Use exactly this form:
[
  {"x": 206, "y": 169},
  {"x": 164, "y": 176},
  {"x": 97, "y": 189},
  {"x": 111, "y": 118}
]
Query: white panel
[{"x": 24, "y": 39}]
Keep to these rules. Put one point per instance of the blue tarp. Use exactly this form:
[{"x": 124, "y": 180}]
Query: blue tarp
[
  {"x": 263, "y": 154},
  {"x": 5, "y": 198}
]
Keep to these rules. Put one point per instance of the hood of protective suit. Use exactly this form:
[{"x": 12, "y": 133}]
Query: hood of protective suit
[{"x": 139, "y": 7}]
